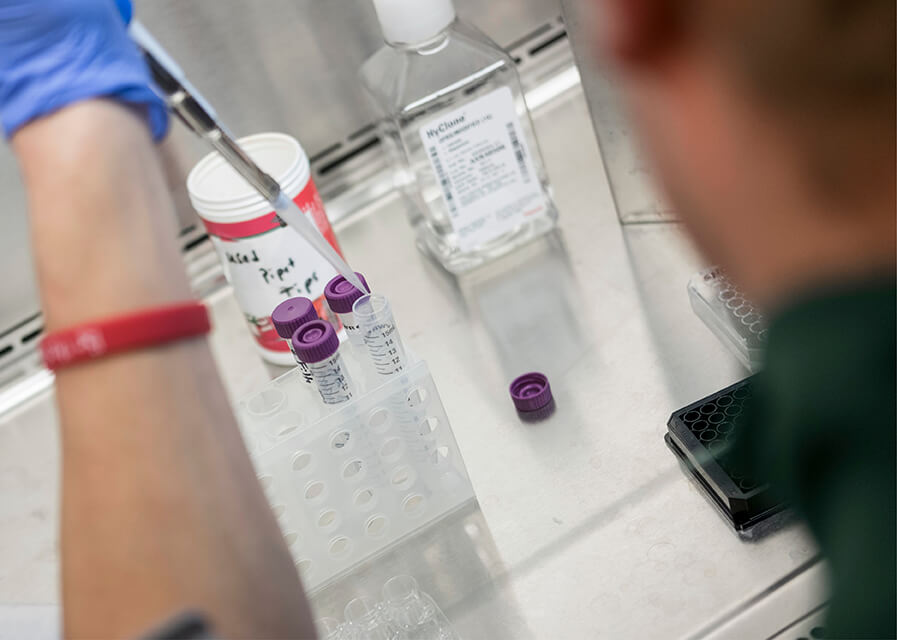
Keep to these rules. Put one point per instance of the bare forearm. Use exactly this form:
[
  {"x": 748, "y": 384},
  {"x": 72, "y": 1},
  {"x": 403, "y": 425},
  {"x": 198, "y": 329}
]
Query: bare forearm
[
  {"x": 161, "y": 510},
  {"x": 100, "y": 216}
]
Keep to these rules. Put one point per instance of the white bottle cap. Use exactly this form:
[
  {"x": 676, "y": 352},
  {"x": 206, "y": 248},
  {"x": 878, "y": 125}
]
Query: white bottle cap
[{"x": 413, "y": 21}]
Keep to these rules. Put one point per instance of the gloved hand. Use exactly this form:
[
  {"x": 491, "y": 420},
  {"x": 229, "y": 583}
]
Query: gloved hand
[{"x": 56, "y": 52}]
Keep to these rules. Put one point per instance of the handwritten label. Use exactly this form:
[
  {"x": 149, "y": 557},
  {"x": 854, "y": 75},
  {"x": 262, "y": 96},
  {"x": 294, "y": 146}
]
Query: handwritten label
[{"x": 267, "y": 268}]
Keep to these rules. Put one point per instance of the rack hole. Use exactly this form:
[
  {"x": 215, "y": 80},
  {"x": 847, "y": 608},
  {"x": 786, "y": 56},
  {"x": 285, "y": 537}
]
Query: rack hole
[
  {"x": 291, "y": 538},
  {"x": 413, "y": 504},
  {"x": 378, "y": 419},
  {"x": 266, "y": 402},
  {"x": 365, "y": 499},
  {"x": 266, "y": 482},
  {"x": 724, "y": 401},
  {"x": 392, "y": 450},
  {"x": 285, "y": 425},
  {"x": 301, "y": 461},
  {"x": 284, "y": 429},
  {"x": 708, "y": 408},
  {"x": 340, "y": 546},
  {"x": 279, "y": 510},
  {"x": 691, "y": 416},
  {"x": 304, "y": 566},
  {"x": 315, "y": 491},
  {"x": 328, "y": 520},
  {"x": 402, "y": 478},
  {"x": 340, "y": 440},
  {"x": 376, "y": 526},
  {"x": 353, "y": 470},
  {"x": 417, "y": 397}
]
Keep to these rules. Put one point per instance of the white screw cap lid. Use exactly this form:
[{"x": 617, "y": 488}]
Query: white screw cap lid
[{"x": 413, "y": 21}]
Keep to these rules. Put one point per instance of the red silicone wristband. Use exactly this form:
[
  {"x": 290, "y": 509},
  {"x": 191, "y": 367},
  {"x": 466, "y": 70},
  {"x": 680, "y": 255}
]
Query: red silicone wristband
[{"x": 124, "y": 333}]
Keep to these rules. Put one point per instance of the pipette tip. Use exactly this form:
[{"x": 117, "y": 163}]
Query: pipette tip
[{"x": 295, "y": 218}]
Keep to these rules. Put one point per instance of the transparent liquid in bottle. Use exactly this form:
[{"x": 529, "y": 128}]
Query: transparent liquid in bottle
[{"x": 455, "y": 125}]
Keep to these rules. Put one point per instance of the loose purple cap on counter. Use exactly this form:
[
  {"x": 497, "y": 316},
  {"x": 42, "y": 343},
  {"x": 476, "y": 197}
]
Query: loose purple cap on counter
[
  {"x": 315, "y": 341},
  {"x": 291, "y": 314},
  {"x": 531, "y": 392},
  {"x": 342, "y": 294}
]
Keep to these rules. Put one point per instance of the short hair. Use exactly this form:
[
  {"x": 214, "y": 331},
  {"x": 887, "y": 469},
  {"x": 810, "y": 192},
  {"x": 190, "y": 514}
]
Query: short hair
[{"x": 828, "y": 65}]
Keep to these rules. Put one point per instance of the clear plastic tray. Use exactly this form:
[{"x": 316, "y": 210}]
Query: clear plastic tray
[
  {"x": 350, "y": 481},
  {"x": 731, "y": 317}
]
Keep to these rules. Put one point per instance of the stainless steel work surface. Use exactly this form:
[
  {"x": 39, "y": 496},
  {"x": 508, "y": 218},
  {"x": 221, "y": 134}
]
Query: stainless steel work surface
[{"x": 585, "y": 527}]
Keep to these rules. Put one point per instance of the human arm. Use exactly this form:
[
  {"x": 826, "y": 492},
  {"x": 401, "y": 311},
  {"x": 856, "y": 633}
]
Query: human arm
[{"x": 161, "y": 510}]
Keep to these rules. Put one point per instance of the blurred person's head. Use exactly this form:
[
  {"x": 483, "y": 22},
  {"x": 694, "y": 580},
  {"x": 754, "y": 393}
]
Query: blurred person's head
[{"x": 771, "y": 126}]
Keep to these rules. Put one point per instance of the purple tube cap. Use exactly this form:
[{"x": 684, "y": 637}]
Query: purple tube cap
[
  {"x": 342, "y": 294},
  {"x": 531, "y": 393},
  {"x": 315, "y": 341},
  {"x": 291, "y": 314}
]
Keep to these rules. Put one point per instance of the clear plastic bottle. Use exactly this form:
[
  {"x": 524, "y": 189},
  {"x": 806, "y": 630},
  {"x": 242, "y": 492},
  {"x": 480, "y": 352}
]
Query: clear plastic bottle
[{"x": 455, "y": 124}]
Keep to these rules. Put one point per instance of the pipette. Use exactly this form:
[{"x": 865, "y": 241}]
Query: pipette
[{"x": 198, "y": 115}]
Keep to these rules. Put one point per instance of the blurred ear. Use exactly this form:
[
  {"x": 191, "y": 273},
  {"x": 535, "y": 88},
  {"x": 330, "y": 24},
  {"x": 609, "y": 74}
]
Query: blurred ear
[{"x": 633, "y": 31}]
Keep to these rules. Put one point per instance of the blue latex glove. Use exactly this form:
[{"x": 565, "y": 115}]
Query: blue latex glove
[{"x": 56, "y": 52}]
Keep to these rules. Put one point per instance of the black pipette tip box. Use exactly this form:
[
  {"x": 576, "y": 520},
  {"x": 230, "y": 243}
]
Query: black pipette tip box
[{"x": 701, "y": 435}]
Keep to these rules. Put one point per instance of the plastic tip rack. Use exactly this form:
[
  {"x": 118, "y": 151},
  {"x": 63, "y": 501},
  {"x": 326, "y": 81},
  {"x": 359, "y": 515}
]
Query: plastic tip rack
[{"x": 349, "y": 480}]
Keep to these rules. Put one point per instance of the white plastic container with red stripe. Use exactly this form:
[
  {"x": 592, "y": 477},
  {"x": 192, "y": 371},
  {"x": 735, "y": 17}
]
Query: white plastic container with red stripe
[{"x": 265, "y": 261}]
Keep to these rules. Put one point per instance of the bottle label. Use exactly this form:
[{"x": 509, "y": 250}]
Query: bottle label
[{"x": 481, "y": 161}]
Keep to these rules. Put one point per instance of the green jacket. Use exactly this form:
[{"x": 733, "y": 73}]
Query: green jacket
[{"x": 823, "y": 432}]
